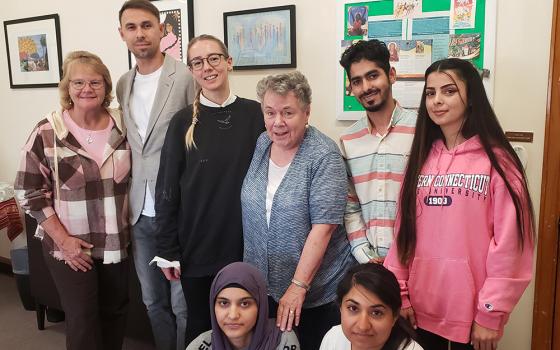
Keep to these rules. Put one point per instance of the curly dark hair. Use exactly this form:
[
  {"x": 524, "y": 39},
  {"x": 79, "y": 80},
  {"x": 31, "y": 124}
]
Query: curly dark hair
[{"x": 371, "y": 50}]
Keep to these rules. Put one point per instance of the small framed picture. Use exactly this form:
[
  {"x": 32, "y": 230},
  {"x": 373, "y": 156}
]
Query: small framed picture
[
  {"x": 178, "y": 28},
  {"x": 34, "y": 53},
  {"x": 261, "y": 38}
]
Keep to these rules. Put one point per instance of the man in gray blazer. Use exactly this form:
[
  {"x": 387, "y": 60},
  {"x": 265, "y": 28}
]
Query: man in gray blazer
[{"x": 149, "y": 95}]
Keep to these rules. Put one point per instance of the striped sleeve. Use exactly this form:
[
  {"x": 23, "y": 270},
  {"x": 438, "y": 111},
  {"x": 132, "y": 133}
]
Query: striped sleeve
[{"x": 354, "y": 221}]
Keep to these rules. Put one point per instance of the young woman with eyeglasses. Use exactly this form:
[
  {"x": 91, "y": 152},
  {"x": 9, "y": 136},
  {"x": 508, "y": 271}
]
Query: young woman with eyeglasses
[{"x": 206, "y": 153}]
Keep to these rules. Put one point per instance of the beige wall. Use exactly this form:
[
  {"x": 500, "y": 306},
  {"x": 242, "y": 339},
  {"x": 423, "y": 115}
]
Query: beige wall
[{"x": 522, "y": 58}]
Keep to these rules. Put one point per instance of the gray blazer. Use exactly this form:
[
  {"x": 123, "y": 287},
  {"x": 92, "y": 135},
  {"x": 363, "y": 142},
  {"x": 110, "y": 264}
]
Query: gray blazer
[{"x": 174, "y": 92}]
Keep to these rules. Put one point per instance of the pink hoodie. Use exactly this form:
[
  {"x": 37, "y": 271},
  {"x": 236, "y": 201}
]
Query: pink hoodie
[{"x": 468, "y": 265}]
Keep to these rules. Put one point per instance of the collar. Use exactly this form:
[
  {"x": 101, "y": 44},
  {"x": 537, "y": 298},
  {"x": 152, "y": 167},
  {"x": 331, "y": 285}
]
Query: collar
[
  {"x": 155, "y": 73},
  {"x": 206, "y": 102},
  {"x": 396, "y": 116}
]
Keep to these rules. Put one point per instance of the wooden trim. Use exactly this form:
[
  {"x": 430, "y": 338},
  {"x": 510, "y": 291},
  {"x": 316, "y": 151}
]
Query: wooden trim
[{"x": 546, "y": 278}]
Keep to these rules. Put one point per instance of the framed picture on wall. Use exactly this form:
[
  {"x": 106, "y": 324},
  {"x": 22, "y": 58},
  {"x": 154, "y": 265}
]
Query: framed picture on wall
[
  {"x": 178, "y": 28},
  {"x": 34, "y": 54},
  {"x": 261, "y": 38}
]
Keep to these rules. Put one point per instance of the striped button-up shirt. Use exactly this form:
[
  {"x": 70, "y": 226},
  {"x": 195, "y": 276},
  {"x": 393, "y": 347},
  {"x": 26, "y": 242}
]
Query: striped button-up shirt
[
  {"x": 90, "y": 201},
  {"x": 375, "y": 165}
]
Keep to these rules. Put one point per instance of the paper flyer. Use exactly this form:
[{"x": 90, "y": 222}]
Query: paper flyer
[
  {"x": 410, "y": 57},
  {"x": 464, "y": 46},
  {"x": 357, "y": 24},
  {"x": 407, "y": 8},
  {"x": 462, "y": 14}
]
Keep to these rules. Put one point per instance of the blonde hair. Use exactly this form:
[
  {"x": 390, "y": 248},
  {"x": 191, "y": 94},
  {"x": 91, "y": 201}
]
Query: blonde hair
[
  {"x": 189, "y": 136},
  {"x": 95, "y": 63}
]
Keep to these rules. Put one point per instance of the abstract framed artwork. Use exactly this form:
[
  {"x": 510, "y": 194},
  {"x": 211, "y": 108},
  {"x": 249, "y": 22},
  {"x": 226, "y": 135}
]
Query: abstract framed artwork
[
  {"x": 261, "y": 38},
  {"x": 178, "y": 28},
  {"x": 34, "y": 53}
]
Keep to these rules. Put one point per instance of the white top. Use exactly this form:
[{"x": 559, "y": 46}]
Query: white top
[
  {"x": 275, "y": 175},
  {"x": 142, "y": 98},
  {"x": 206, "y": 102},
  {"x": 336, "y": 340}
]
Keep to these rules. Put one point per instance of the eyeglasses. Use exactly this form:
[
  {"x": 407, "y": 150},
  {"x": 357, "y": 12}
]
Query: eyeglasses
[
  {"x": 79, "y": 84},
  {"x": 213, "y": 59}
]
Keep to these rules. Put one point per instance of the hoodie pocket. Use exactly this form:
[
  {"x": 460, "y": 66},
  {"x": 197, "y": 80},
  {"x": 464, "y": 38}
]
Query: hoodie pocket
[{"x": 442, "y": 289}]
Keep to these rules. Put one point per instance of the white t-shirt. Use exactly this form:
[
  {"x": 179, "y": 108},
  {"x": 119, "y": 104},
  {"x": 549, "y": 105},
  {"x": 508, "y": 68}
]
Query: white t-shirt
[
  {"x": 336, "y": 340},
  {"x": 275, "y": 175},
  {"x": 141, "y": 101}
]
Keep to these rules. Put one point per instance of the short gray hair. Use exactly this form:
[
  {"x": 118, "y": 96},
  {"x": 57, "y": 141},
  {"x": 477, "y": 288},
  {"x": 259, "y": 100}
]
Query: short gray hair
[{"x": 282, "y": 84}]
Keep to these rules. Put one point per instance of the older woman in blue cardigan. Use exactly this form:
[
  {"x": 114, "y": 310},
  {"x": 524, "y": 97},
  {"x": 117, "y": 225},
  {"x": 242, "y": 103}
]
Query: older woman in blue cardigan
[{"x": 293, "y": 201}]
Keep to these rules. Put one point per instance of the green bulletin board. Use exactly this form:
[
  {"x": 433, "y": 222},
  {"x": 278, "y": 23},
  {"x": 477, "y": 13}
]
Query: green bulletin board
[{"x": 430, "y": 25}]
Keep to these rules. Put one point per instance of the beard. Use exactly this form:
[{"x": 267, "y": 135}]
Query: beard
[
  {"x": 374, "y": 107},
  {"x": 148, "y": 52}
]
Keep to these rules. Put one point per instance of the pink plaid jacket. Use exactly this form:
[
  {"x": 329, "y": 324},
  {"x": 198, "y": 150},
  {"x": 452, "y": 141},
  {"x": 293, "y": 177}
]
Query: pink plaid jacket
[{"x": 90, "y": 201}]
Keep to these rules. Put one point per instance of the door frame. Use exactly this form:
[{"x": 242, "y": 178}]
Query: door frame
[{"x": 546, "y": 311}]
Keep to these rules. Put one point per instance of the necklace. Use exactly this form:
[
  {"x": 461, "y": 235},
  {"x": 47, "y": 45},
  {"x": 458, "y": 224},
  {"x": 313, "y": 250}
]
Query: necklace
[{"x": 89, "y": 138}]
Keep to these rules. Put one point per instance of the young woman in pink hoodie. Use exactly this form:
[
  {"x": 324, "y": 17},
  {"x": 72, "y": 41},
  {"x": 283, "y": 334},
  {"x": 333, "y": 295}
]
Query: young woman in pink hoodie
[{"x": 464, "y": 246}]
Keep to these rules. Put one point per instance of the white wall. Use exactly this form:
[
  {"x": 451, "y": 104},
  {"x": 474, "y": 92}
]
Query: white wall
[{"x": 522, "y": 59}]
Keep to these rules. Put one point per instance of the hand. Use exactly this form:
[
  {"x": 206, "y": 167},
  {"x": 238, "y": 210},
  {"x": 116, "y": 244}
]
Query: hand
[
  {"x": 289, "y": 308},
  {"x": 172, "y": 273},
  {"x": 378, "y": 260},
  {"x": 74, "y": 256},
  {"x": 408, "y": 314},
  {"x": 483, "y": 338}
]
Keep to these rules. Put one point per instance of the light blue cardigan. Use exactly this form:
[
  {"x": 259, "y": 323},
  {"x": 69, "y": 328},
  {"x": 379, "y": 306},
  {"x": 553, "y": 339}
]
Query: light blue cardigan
[{"x": 313, "y": 191}]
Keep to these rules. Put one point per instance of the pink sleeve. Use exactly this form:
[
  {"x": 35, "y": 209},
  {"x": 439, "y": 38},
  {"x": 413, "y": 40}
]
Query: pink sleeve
[
  {"x": 400, "y": 271},
  {"x": 508, "y": 268}
]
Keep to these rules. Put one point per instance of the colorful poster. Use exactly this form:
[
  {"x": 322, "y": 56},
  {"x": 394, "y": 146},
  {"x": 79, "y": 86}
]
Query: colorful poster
[
  {"x": 464, "y": 46},
  {"x": 410, "y": 57},
  {"x": 407, "y": 8},
  {"x": 33, "y": 55},
  {"x": 462, "y": 14},
  {"x": 357, "y": 24},
  {"x": 172, "y": 41}
]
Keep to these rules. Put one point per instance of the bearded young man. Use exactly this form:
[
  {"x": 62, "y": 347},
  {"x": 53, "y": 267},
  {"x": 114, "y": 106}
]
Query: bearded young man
[{"x": 375, "y": 149}]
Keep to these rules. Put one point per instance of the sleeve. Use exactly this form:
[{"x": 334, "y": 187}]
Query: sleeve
[
  {"x": 289, "y": 340},
  {"x": 354, "y": 221},
  {"x": 327, "y": 194},
  {"x": 168, "y": 189},
  {"x": 33, "y": 183},
  {"x": 508, "y": 267},
  {"x": 400, "y": 271}
]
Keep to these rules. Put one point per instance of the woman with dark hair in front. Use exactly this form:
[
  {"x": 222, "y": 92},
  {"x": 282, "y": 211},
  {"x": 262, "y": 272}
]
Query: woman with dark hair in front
[
  {"x": 370, "y": 302},
  {"x": 206, "y": 153},
  {"x": 464, "y": 245},
  {"x": 239, "y": 313}
]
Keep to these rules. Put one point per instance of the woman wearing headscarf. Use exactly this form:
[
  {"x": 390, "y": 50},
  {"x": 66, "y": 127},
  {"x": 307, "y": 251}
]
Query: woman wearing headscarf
[{"x": 239, "y": 314}]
